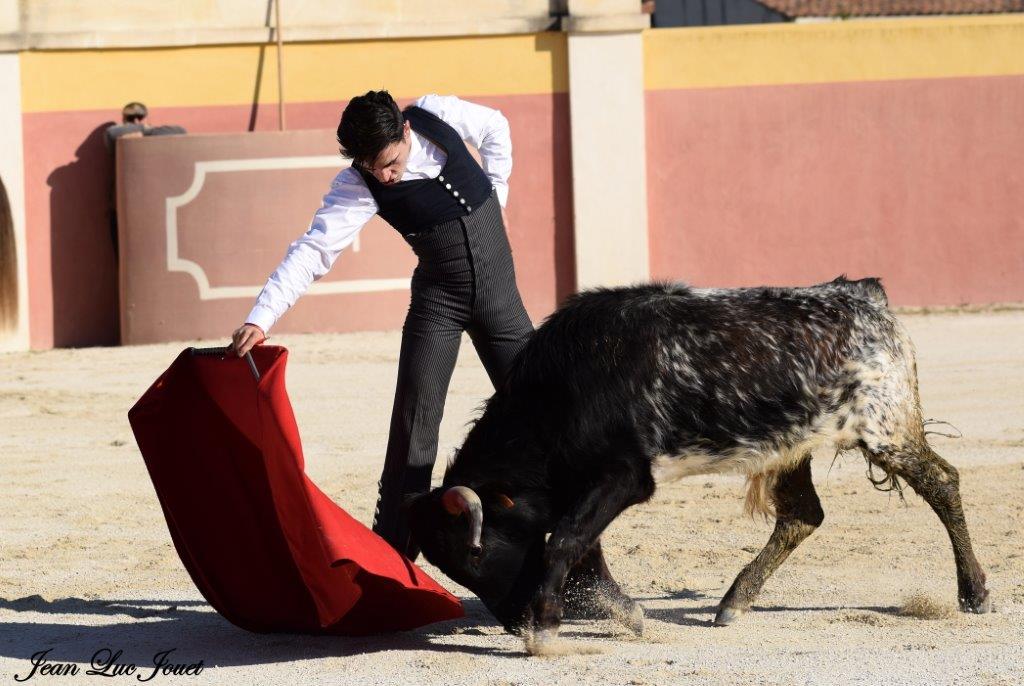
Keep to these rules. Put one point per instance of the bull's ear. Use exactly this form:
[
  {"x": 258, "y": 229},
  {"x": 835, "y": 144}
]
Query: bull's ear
[{"x": 497, "y": 492}]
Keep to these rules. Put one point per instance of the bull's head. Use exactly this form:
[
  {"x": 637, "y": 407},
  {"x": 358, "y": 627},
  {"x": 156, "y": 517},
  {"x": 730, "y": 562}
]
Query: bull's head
[{"x": 488, "y": 543}]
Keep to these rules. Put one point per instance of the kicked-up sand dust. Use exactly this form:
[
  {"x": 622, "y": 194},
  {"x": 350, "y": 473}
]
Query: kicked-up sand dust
[
  {"x": 924, "y": 606},
  {"x": 549, "y": 644},
  {"x": 87, "y": 563}
]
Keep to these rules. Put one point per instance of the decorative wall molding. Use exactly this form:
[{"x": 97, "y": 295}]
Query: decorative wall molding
[{"x": 176, "y": 263}]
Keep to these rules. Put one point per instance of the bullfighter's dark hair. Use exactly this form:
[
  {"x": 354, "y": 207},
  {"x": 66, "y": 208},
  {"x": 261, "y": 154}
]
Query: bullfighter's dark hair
[{"x": 370, "y": 123}]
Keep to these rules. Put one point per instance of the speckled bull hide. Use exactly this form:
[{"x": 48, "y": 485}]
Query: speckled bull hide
[{"x": 622, "y": 388}]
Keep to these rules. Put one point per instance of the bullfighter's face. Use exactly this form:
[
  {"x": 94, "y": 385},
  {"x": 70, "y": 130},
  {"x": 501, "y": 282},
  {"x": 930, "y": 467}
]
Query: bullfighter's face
[
  {"x": 392, "y": 161},
  {"x": 506, "y": 571}
]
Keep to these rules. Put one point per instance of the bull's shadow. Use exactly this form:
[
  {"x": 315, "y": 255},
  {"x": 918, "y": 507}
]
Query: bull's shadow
[
  {"x": 704, "y": 615},
  {"x": 196, "y": 632}
]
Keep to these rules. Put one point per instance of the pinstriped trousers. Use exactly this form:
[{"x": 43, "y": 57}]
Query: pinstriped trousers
[{"x": 465, "y": 281}]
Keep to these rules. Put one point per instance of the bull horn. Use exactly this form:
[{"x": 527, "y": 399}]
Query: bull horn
[{"x": 459, "y": 499}]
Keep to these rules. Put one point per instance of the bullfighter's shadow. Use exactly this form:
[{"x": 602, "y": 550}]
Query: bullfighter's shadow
[{"x": 195, "y": 632}]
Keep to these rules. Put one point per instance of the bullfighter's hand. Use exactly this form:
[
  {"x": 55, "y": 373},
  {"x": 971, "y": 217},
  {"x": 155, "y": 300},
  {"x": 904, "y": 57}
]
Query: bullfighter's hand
[{"x": 245, "y": 338}]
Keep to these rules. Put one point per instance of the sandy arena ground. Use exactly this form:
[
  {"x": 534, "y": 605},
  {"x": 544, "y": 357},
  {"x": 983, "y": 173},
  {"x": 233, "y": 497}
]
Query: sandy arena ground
[{"x": 87, "y": 563}]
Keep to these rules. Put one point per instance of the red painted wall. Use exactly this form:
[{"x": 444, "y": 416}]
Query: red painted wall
[{"x": 920, "y": 182}]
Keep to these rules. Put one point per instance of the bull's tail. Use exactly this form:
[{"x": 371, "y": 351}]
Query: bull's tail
[{"x": 759, "y": 499}]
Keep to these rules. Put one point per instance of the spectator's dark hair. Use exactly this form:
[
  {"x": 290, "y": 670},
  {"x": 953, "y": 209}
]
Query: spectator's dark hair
[
  {"x": 134, "y": 111},
  {"x": 369, "y": 124}
]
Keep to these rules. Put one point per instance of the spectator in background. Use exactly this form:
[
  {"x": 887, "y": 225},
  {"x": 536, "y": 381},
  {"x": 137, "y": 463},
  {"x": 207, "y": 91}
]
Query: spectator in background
[{"x": 133, "y": 125}]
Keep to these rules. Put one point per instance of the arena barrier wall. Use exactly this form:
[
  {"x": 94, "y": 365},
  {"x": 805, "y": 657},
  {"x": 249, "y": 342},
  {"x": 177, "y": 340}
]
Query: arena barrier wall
[
  {"x": 778, "y": 154},
  {"x": 70, "y": 96},
  {"x": 788, "y": 154}
]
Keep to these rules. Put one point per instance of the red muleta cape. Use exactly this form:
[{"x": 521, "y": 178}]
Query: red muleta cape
[{"x": 265, "y": 547}]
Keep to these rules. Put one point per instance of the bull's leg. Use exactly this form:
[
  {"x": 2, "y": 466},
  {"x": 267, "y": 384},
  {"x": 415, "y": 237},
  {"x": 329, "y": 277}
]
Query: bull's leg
[
  {"x": 798, "y": 513},
  {"x": 576, "y": 532},
  {"x": 938, "y": 482},
  {"x": 590, "y": 592}
]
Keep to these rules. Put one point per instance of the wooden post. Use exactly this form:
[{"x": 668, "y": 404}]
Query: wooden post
[{"x": 280, "y": 68}]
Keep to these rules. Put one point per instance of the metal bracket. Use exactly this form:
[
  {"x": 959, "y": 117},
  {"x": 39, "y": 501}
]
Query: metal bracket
[{"x": 223, "y": 353}]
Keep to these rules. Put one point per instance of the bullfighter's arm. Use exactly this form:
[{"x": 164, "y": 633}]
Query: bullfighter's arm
[{"x": 346, "y": 208}]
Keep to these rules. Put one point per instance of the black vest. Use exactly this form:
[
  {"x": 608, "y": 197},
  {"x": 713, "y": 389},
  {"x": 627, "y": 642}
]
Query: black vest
[{"x": 417, "y": 205}]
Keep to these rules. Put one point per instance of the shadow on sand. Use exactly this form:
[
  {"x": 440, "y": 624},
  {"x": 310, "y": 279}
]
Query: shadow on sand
[
  {"x": 195, "y": 632},
  {"x": 705, "y": 615}
]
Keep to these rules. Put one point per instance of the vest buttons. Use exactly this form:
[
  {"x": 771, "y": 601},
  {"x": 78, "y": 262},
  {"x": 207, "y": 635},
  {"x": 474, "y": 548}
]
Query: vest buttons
[
  {"x": 440, "y": 178},
  {"x": 468, "y": 208},
  {"x": 455, "y": 193},
  {"x": 448, "y": 186},
  {"x": 462, "y": 200}
]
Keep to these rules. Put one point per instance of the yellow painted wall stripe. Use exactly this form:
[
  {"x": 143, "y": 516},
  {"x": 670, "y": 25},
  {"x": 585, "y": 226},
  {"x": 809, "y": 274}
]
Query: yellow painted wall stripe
[
  {"x": 859, "y": 50},
  {"x": 314, "y": 72}
]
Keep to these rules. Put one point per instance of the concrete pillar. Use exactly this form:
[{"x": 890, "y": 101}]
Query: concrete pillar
[
  {"x": 13, "y": 175},
  {"x": 609, "y": 162}
]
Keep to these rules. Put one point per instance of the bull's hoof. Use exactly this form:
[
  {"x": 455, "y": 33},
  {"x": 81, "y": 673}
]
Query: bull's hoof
[
  {"x": 634, "y": 621},
  {"x": 728, "y": 615},
  {"x": 626, "y": 612},
  {"x": 605, "y": 604},
  {"x": 978, "y": 606},
  {"x": 589, "y": 601}
]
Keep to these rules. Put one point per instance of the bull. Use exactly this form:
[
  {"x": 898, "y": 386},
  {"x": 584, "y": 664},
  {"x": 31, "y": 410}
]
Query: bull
[{"x": 622, "y": 388}]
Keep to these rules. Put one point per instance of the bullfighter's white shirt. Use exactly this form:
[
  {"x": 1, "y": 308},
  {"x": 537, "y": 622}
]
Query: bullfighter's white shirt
[{"x": 349, "y": 204}]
